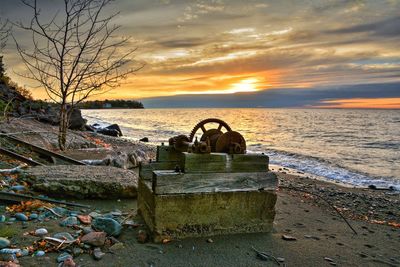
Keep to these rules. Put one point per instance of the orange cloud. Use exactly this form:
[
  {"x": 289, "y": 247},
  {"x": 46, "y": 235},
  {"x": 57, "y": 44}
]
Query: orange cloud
[{"x": 378, "y": 103}]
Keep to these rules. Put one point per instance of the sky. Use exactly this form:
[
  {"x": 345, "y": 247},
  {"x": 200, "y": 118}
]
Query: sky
[{"x": 248, "y": 47}]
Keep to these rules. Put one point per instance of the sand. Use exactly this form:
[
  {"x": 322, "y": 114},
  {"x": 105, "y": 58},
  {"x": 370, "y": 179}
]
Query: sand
[{"x": 322, "y": 237}]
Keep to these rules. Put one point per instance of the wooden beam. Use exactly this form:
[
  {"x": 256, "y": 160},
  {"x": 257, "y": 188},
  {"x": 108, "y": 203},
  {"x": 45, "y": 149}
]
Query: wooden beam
[
  {"x": 170, "y": 182},
  {"x": 19, "y": 157},
  {"x": 45, "y": 152}
]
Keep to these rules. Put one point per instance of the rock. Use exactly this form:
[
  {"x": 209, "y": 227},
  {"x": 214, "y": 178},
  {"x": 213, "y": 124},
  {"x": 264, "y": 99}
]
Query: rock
[
  {"x": 98, "y": 254},
  {"x": 87, "y": 230},
  {"x": 210, "y": 240},
  {"x": 280, "y": 259},
  {"x": 142, "y": 236},
  {"x": 33, "y": 216},
  {"x": 76, "y": 120},
  {"x": 83, "y": 181},
  {"x": 63, "y": 256},
  {"x": 21, "y": 217},
  {"x": 96, "y": 239},
  {"x": 117, "y": 246},
  {"x": 115, "y": 127},
  {"x": 289, "y": 238},
  {"x": 69, "y": 221},
  {"x": 61, "y": 211},
  {"x": 9, "y": 264},
  {"x": 144, "y": 139},
  {"x": 2, "y": 218},
  {"x": 108, "y": 132},
  {"x": 85, "y": 219},
  {"x": 41, "y": 232},
  {"x": 69, "y": 263},
  {"x": 10, "y": 251},
  {"x": 4, "y": 242},
  {"x": 24, "y": 252},
  {"x": 17, "y": 188},
  {"x": 94, "y": 214},
  {"x": 39, "y": 253},
  {"x": 77, "y": 251},
  {"x": 108, "y": 225},
  {"x": 64, "y": 236}
]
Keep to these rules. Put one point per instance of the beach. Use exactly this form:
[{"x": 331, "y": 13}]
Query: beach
[{"x": 317, "y": 235}]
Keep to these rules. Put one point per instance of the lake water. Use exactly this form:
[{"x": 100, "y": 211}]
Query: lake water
[{"x": 357, "y": 147}]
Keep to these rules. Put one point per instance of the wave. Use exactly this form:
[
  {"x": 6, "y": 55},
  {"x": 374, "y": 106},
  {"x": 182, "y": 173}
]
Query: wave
[{"x": 322, "y": 168}]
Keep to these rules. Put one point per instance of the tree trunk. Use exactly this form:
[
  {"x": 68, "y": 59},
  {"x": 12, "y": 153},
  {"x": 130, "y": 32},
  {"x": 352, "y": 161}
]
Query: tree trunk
[{"x": 62, "y": 131}]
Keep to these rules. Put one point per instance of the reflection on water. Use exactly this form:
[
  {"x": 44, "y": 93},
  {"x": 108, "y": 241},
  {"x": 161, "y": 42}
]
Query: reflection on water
[{"x": 346, "y": 145}]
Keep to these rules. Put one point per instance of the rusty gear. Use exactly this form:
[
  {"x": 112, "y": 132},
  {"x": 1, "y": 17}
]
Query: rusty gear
[
  {"x": 201, "y": 126},
  {"x": 232, "y": 143}
]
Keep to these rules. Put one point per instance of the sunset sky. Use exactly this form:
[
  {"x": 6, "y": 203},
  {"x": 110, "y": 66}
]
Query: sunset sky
[{"x": 231, "y": 46}]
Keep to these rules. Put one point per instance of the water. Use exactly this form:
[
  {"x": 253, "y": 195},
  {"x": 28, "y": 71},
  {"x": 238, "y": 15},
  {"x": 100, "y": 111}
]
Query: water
[{"x": 357, "y": 147}]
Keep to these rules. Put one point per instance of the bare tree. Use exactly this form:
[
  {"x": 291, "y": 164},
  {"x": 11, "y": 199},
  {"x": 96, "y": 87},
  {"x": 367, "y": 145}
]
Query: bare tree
[
  {"x": 4, "y": 33},
  {"x": 76, "y": 54}
]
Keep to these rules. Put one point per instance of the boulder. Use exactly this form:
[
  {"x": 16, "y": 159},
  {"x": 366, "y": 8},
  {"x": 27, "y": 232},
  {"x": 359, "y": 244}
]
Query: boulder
[
  {"x": 76, "y": 121},
  {"x": 77, "y": 181}
]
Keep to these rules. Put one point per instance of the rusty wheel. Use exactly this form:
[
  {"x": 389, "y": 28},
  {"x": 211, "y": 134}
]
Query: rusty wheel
[{"x": 210, "y": 134}]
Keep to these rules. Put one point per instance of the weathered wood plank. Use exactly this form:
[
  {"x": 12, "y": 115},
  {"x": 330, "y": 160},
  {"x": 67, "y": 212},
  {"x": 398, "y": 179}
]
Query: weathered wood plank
[
  {"x": 167, "y": 153},
  {"x": 146, "y": 168},
  {"x": 169, "y": 182}
]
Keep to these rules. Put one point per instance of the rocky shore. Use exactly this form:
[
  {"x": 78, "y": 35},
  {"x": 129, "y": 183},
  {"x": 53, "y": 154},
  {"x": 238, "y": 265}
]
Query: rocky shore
[{"x": 307, "y": 229}]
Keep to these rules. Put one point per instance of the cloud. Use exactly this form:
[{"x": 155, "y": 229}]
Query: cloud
[{"x": 385, "y": 28}]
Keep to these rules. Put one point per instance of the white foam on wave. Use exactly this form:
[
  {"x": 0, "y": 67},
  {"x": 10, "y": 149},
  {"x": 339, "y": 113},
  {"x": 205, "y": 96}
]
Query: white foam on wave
[{"x": 314, "y": 167}]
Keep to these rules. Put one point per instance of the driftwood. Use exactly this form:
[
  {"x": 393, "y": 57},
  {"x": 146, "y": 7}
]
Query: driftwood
[
  {"x": 14, "y": 197},
  {"x": 44, "y": 152}
]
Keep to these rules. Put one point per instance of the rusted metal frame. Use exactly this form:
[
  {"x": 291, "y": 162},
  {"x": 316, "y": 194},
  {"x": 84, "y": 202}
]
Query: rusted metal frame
[
  {"x": 45, "y": 152},
  {"x": 20, "y": 157}
]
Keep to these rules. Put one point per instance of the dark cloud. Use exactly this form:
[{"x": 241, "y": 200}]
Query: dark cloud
[
  {"x": 278, "y": 98},
  {"x": 385, "y": 28}
]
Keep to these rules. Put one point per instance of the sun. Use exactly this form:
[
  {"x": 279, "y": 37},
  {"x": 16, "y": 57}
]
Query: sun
[{"x": 245, "y": 85}]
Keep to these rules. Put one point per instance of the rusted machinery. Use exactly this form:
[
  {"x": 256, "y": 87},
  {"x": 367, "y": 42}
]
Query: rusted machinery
[
  {"x": 212, "y": 140},
  {"x": 206, "y": 184}
]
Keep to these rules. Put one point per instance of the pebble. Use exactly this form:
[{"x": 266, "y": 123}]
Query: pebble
[
  {"x": 142, "y": 236},
  {"x": 85, "y": 219},
  {"x": 289, "y": 238},
  {"x": 98, "y": 254},
  {"x": 87, "y": 229},
  {"x": 24, "y": 252},
  {"x": 60, "y": 210},
  {"x": 96, "y": 239},
  {"x": 77, "y": 251},
  {"x": 17, "y": 188},
  {"x": 69, "y": 221},
  {"x": 108, "y": 225},
  {"x": 64, "y": 235},
  {"x": 33, "y": 216},
  {"x": 63, "y": 256},
  {"x": 41, "y": 232},
  {"x": 68, "y": 263},
  {"x": 280, "y": 259},
  {"x": 39, "y": 253},
  {"x": 210, "y": 240},
  {"x": 4, "y": 242},
  {"x": 21, "y": 217},
  {"x": 10, "y": 251},
  {"x": 94, "y": 214}
]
